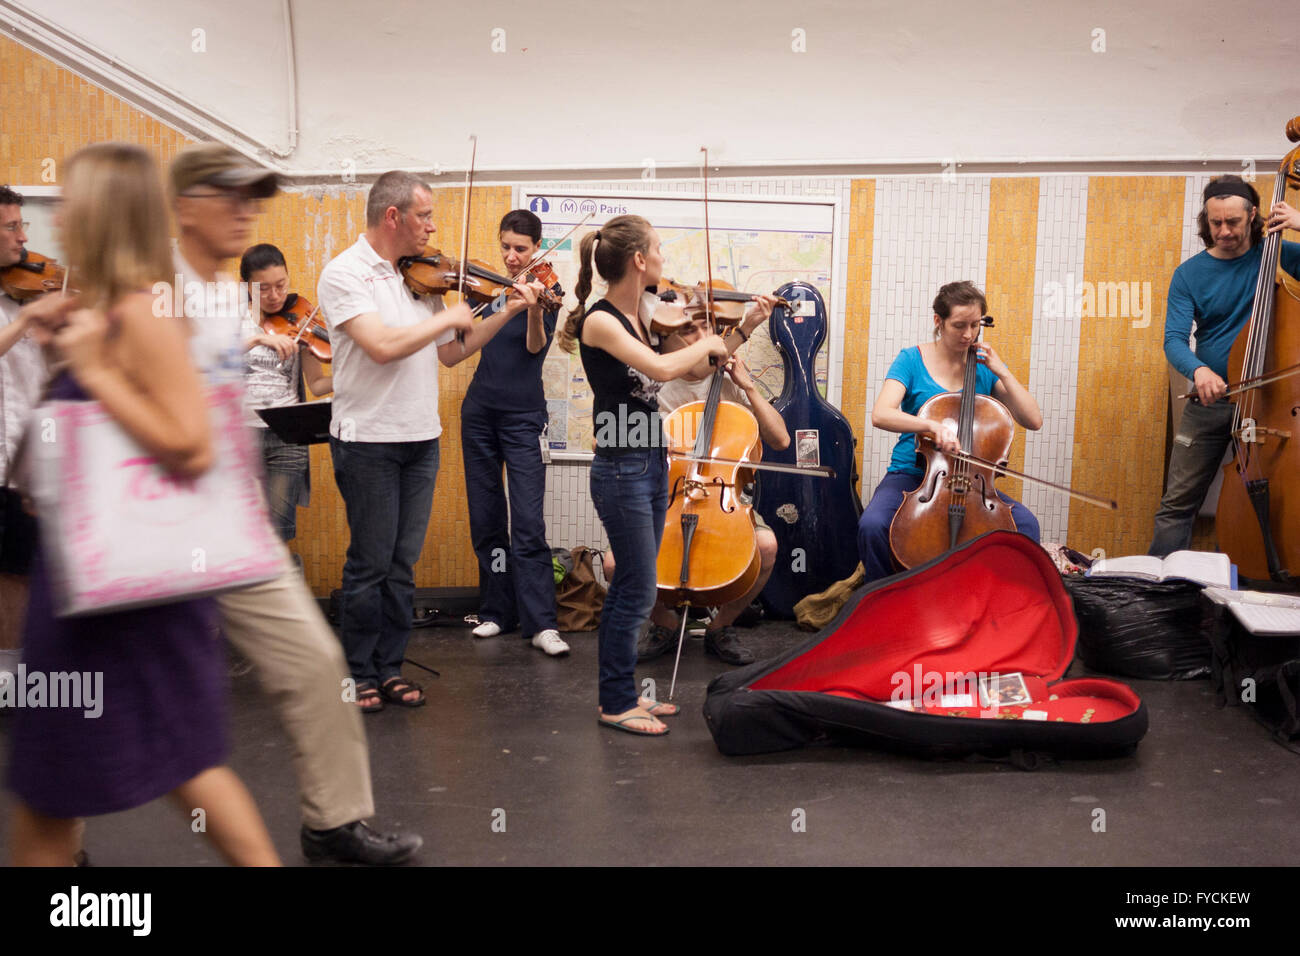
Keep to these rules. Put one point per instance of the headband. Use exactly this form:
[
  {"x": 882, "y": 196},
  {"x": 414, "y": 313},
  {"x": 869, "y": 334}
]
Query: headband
[{"x": 1221, "y": 188}]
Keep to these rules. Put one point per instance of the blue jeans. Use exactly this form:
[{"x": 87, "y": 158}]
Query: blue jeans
[
  {"x": 515, "y": 578},
  {"x": 1202, "y": 438},
  {"x": 873, "y": 527},
  {"x": 387, "y": 488},
  {"x": 630, "y": 493},
  {"x": 284, "y": 479}
]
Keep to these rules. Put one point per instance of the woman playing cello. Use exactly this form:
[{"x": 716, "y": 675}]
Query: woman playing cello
[
  {"x": 629, "y": 475},
  {"x": 916, "y": 375}
]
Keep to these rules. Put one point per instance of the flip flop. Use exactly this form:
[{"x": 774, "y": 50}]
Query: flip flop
[
  {"x": 658, "y": 708},
  {"x": 623, "y": 725}
]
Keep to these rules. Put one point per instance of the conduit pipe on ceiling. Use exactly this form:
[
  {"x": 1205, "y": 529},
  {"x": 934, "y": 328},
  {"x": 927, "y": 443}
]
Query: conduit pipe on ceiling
[{"x": 108, "y": 71}]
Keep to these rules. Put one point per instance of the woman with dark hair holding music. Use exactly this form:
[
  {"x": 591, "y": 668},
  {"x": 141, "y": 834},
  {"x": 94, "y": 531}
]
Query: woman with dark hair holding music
[
  {"x": 501, "y": 423},
  {"x": 276, "y": 370},
  {"x": 629, "y": 475},
  {"x": 917, "y": 375}
]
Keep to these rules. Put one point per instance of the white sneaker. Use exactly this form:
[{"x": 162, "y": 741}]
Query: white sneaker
[
  {"x": 487, "y": 629},
  {"x": 550, "y": 642}
]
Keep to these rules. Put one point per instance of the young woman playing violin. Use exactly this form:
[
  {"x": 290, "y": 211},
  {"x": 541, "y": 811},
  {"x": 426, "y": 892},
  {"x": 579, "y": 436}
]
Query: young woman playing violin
[
  {"x": 629, "y": 475},
  {"x": 276, "y": 368},
  {"x": 918, "y": 374},
  {"x": 501, "y": 422}
]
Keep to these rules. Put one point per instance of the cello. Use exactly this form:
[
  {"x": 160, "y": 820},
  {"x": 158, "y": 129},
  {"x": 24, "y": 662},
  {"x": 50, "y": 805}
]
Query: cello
[
  {"x": 1258, "y": 517},
  {"x": 708, "y": 554},
  {"x": 956, "y": 501}
]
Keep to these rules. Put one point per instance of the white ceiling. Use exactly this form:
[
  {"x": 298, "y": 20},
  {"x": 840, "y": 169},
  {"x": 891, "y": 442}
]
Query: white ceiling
[{"x": 614, "y": 84}]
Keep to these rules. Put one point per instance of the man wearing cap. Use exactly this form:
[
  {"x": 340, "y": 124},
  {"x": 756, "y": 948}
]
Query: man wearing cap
[
  {"x": 277, "y": 625},
  {"x": 22, "y": 373},
  {"x": 385, "y": 427},
  {"x": 1214, "y": 289}
]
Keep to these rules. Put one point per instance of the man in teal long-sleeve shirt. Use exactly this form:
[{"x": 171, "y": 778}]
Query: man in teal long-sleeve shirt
[{"x": 1214, "y": 289}]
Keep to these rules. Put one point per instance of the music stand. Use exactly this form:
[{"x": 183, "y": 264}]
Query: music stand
[{"x": 307, "y": 423}]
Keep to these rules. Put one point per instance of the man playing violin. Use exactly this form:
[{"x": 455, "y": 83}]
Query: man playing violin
[
  {"x": 720, "y": 639},
  {"x": 22, "y": 373},
  {"x": 385, "y": 426},
  {"x": 917, "y": 375},
  {"x": 276, "y": 370},
  {"x": 1214, "y": 289}
]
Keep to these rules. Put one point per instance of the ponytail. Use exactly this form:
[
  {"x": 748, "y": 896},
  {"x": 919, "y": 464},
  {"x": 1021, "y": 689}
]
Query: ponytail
[
  {"x": 569, "y": 334},
  {"x": 620, "y": 239}
]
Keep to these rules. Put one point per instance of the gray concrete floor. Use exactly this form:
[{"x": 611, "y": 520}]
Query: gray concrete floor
[{"x": 509, "y": 738}]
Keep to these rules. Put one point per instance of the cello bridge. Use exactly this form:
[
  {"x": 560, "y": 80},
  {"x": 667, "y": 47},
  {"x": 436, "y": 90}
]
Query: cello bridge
[{"x": 1253, "y": 433}]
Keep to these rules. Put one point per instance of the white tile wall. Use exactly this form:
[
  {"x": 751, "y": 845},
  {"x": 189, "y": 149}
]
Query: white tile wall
[
  {"x": 927, "y": 232},
  {"x": 1054, "y": 347}
]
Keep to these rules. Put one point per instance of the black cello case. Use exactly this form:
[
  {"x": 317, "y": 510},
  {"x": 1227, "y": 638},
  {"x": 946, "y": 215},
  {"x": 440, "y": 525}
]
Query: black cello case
[
  {"x": 815, "y": 519},
  {"x": 900, "y": 668}
]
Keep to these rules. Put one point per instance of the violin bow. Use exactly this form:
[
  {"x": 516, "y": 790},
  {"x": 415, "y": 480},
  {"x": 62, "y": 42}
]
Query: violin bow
[
  {"x": 1246, "y": 384},
  {"x": 305, "y": 322},
  {"x": 555, "y": 245},
  {"x": 464, "y": 230},
  {"x": 1107, "y": 503},
  {"x": 708, "y": 312}
]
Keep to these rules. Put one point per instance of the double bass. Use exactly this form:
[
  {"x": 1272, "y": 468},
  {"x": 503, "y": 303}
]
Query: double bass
[{"x": 1258, "y": 517}]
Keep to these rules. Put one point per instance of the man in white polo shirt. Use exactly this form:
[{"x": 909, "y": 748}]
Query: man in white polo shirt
[{"x": 385, "y": 427}]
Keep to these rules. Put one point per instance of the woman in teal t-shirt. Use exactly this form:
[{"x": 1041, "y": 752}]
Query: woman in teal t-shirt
[{"x": 917, "y": 375}]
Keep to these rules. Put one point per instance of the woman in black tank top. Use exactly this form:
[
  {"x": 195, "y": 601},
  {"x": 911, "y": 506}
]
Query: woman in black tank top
[{"x": 629, "y": 477}]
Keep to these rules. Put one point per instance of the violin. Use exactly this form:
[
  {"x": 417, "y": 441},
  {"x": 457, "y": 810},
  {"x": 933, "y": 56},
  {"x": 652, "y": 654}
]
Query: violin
[
  {"x": 727, "y": 303},
  {"x": 32, "y": 275},
  {"x": 956, "y": 501},
  {"x": 436, "y": 273},
  {"x": 298, "y": 320}
]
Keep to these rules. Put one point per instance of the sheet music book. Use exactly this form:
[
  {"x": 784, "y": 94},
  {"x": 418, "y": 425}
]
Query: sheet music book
[{"x": 1204, "y": 567}]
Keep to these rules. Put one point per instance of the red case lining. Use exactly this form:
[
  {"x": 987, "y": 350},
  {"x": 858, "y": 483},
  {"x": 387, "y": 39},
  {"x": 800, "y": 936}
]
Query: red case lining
[{"x": 1010, "y": 614}]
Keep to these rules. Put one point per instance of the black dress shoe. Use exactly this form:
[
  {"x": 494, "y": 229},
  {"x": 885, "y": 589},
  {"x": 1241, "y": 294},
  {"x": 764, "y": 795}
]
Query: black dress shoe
[
  {"x": 725, "y": 646},
  {"x": 357, "y": 843}
]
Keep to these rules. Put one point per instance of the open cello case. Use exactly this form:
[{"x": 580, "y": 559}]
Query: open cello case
[{"x": 900, "y": 668}]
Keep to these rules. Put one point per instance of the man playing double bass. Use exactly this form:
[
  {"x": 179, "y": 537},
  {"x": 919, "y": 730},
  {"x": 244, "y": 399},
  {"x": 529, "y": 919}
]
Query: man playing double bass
[{"x": 1214, "y": 289}]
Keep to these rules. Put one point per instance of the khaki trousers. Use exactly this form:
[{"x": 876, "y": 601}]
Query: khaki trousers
[{"x": 279, "y": 627}]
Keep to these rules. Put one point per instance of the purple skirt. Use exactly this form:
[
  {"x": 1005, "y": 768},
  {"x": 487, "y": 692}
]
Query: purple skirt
[{"x": 135, "y": 704}]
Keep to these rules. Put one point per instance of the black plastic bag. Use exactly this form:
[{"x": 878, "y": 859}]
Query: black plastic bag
[{"x": 1152, "y": 630}]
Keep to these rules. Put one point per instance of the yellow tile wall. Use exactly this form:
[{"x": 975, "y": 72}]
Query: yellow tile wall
[
  {"x": 1009, "y": 288},
  {"x": 1134, "y": 234},
  {"x": 855, "y": 395}
]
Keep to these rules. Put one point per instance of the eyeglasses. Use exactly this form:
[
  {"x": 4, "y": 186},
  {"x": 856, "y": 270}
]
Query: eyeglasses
[
  {"x": 233, "y": 199},
  {"x": 16, "y": 226}
]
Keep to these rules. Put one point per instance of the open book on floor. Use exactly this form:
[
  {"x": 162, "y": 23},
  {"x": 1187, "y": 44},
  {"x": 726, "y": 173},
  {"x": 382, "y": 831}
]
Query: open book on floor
[
  {"x": 1259, "y": 612},
  {"x": 1203, "y": 567}
]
